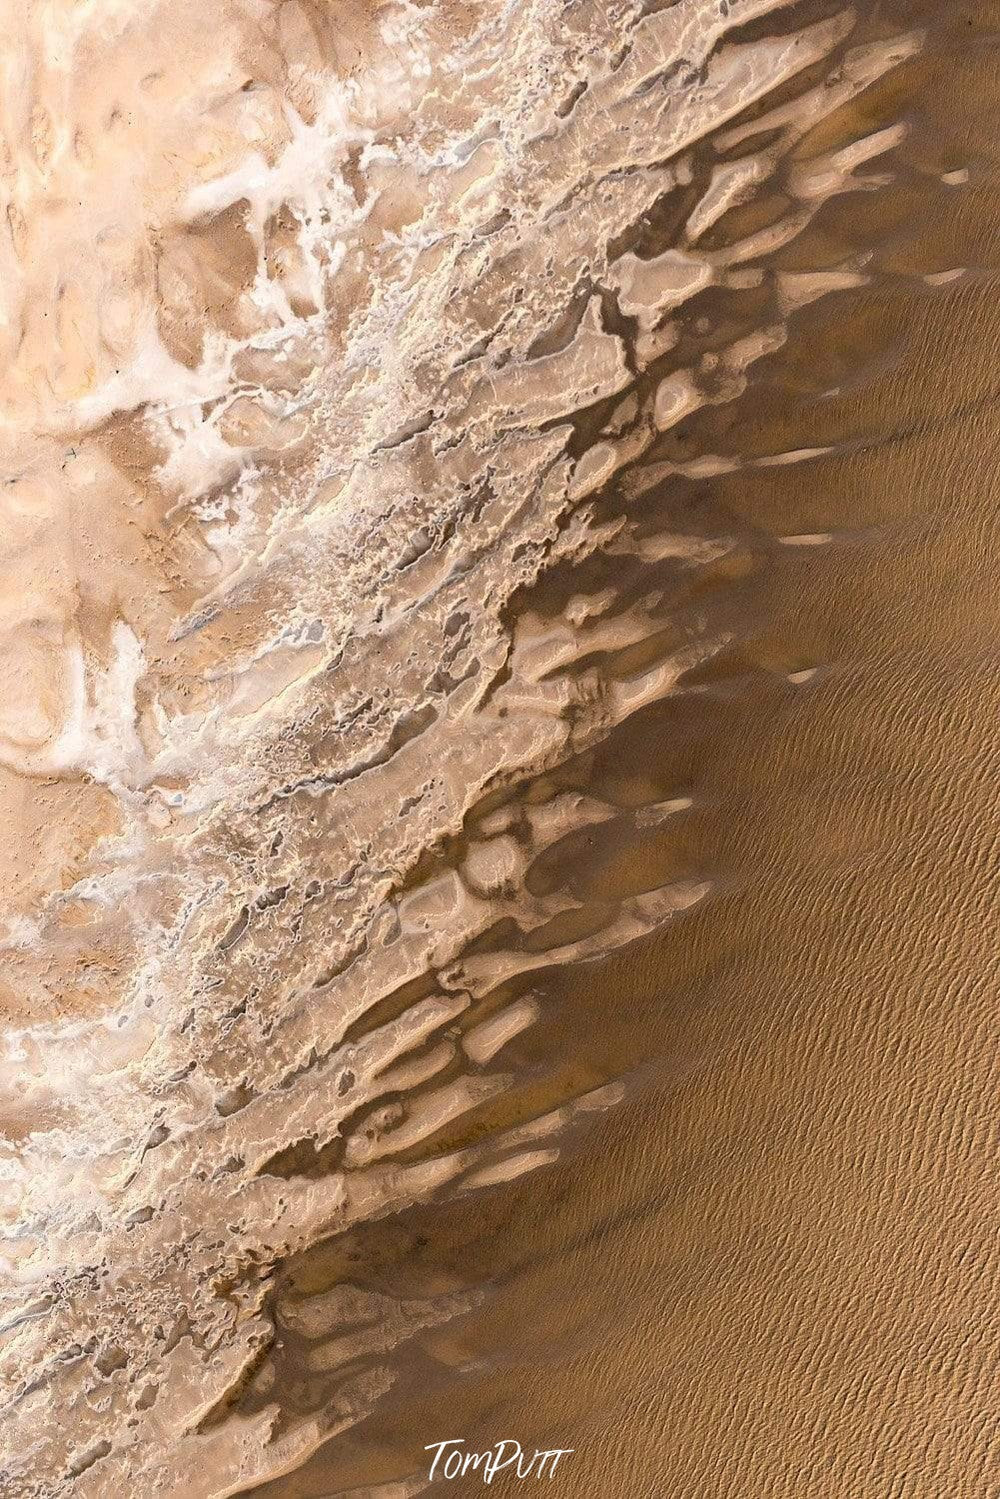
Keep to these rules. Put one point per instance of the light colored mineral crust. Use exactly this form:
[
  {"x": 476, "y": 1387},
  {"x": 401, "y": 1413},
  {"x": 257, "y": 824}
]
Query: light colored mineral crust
[{"x": 323, "y": 326}]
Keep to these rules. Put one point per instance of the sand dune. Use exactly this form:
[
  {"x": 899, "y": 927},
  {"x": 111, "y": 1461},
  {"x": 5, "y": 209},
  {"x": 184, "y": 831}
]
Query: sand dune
[{"x": 406, "y": 413}]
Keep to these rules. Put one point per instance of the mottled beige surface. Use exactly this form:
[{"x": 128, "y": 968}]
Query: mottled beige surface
[{"x": 399, "y": 408}]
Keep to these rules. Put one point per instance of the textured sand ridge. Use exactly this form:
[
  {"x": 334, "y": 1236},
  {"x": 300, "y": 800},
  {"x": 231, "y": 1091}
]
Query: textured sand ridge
[{"x": 327, "y": 332}]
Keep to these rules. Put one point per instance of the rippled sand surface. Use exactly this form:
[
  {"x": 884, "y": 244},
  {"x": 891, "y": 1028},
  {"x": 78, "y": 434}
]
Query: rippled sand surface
[{"x": 497, "y": 746}]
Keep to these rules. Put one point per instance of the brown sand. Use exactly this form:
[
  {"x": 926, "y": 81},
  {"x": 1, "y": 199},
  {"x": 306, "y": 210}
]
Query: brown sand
[
  {"x": 773, "y": 1271},
  {"x": 498, "y": 748}
]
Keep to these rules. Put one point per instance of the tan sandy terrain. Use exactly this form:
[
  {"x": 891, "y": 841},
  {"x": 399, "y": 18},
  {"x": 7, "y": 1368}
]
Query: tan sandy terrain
[{"x": 366, "y": 373}]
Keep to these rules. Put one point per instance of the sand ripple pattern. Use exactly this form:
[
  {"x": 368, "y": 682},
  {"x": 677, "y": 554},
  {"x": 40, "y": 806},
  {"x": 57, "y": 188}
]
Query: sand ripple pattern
[{"x": 336, "y": 445}]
